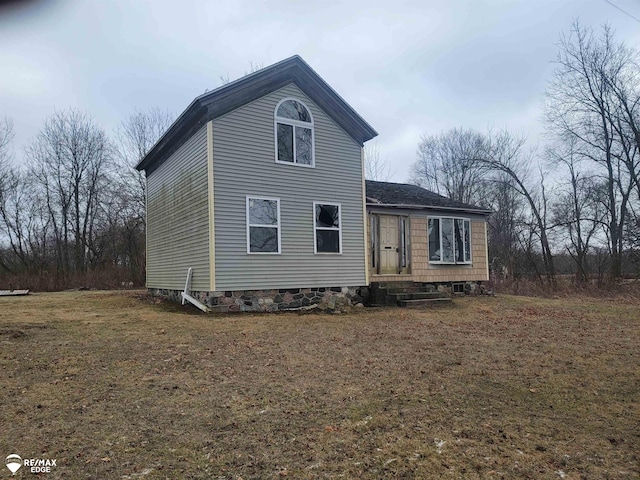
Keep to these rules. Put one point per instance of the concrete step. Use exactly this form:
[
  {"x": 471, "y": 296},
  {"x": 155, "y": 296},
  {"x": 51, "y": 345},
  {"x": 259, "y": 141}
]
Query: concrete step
[
  {"x": 396, "y": 290},
  {"x": 418, "y": 295},
  {"x": 387, "y": 285},
  {"x": 408, "y": 294},
  {"x": 426, "y": 302}
]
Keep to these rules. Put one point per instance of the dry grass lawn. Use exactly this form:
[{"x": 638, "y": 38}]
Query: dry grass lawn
[{"x": 114, "y": 385}]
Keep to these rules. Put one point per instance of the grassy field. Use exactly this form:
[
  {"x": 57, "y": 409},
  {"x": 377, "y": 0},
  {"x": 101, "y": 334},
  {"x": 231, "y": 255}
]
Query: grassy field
[{"x": 115, "y": 385}]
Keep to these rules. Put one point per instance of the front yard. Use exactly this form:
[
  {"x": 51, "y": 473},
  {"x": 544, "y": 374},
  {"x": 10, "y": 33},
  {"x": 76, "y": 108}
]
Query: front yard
[{"x": 114, "y": 385}]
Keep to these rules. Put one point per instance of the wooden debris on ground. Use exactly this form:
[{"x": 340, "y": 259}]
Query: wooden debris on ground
[{"x": 9, "y": 293}]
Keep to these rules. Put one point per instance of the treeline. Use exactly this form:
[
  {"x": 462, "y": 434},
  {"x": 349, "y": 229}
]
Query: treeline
[
  {"x": 578, "y": 198},
  {"x": 73, "y": 213}
]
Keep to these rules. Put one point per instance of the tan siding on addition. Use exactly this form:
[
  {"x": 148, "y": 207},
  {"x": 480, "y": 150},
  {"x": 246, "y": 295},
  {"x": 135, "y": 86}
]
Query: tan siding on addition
[{"x": 423, "y": 271}]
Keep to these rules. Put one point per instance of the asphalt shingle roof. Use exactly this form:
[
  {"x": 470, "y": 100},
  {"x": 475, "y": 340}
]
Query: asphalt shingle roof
[{"x": 397, "y": 194}]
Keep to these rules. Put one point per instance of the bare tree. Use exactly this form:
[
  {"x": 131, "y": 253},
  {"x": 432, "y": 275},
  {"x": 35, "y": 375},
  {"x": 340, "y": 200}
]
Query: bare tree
[
  {"x": 134, "y": 139},
  {"x": 69, "y": 161},
  {"x": 125, "y": 219},
  {"x": 6, "y": 136},
  {"x": 253, "y": 67},
  {"x": 375, "y": 167},
  {"x": 449, "y": 164},
  {"x": 23, "y": 222},
  {"x": 495, "y": 171},
  {"x": 577, "y": 210},
  {"x": 505, "y": 226},
  {"x": 22, "y": 225},
  {"x": 505, "y": 155},
  {"x": 593, "y": 100},
  {"x": 140, "y": 132}
]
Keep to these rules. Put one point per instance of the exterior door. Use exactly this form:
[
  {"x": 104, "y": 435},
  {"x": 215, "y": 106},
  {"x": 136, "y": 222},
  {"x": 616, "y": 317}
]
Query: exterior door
[{"x": 389, "y": 245}]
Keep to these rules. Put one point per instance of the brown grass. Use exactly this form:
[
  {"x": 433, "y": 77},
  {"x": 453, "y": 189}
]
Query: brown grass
[
  {"x": 113, "y": 385},
  {"x": 566, "y": 286},
  {"x": 108, "y": 278}
]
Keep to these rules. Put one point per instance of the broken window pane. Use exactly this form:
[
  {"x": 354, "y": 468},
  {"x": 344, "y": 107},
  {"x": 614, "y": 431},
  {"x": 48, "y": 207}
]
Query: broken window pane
[{"x": 327, "y": 216}]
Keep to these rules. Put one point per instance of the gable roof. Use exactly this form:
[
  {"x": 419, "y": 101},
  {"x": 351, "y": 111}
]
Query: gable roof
[
  {"x": 402, "y": 195},
  {"x": 251, "y": 87}
]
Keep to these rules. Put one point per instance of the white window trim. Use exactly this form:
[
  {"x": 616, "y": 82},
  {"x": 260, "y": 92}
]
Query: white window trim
[
  {"x": 294, "y": 123},
  {"x": 454, "y": 262},
  {"x": 249, "y": 225},
  {"x": 316, "y": 228}
]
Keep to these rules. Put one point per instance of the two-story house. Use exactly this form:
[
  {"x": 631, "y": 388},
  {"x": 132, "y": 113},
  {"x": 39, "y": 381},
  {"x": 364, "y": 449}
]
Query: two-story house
[{"x": 258, "y": 187}]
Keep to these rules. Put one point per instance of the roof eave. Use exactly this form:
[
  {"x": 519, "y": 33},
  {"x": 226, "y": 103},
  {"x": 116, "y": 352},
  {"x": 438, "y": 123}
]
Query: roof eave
[
  {"x": 190, "y": 115},
  {"x": 481, "y": 211},
  {"x": 221, "y": 100}
]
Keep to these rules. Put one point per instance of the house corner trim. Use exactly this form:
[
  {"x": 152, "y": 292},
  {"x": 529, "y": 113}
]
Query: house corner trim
[
  {"x": 212, "y": 230},
  {"x": 486, "y": 248},
  {"x": 364, "y": 220}
]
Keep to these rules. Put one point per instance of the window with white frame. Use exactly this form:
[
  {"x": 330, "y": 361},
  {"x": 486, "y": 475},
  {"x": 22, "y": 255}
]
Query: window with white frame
[
  {"x": 294, "y": 133},
  {"x": 327, "y": 227},
  {"x": 449, "y": 240},
  {"x": 263, "y": 225}
]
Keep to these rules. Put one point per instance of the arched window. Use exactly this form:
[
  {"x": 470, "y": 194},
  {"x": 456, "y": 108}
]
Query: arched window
[{"x": 294, "y": 133}]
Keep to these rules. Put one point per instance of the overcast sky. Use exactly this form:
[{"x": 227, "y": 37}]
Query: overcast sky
[{"x": 408, "y": 67}]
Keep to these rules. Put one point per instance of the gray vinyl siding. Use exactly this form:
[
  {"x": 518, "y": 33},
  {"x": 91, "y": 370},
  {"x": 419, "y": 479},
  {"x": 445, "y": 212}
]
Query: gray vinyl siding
[
  {"x": 177, "y": 218},
  {"x": 244, "y": 165}
]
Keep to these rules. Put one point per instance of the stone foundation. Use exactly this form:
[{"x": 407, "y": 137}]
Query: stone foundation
[
  {"x": 324, "y": 298},
  {"x": 453, "y": 288}
]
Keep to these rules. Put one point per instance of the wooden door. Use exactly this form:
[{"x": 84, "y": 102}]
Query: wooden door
[{"x": 389, "y": 244}]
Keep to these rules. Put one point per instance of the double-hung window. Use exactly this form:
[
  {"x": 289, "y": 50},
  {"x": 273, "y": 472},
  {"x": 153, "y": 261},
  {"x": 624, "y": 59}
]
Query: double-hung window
[
  {"x": 263, "y": 225},
  {"x": 327, "y": 227},
  {"x": 449, "y": 240},
  {"x": 294, "y": 133}
]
